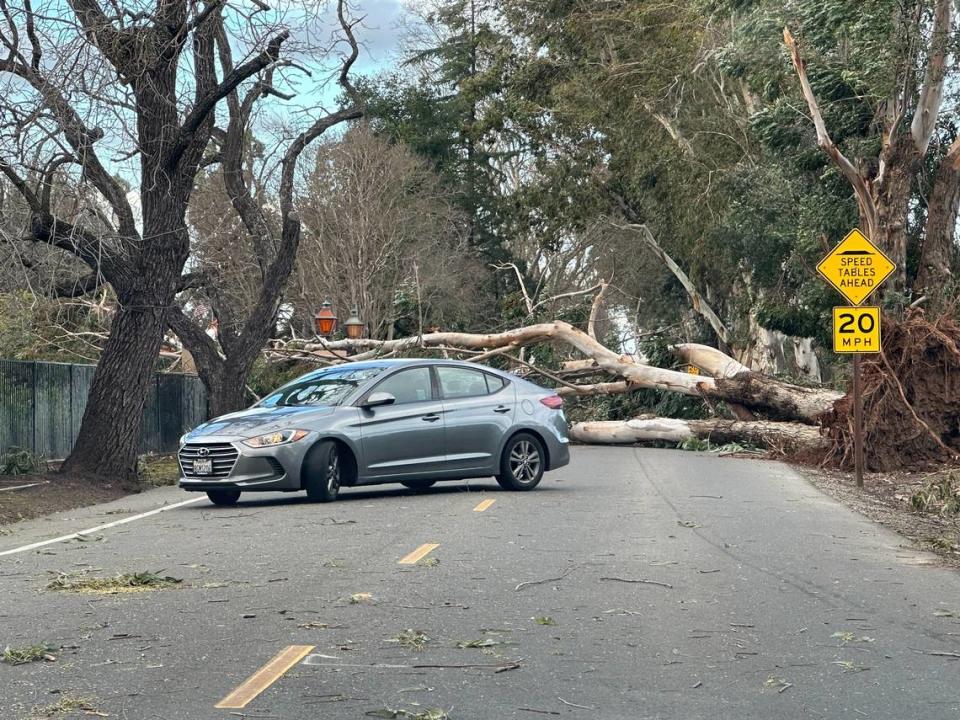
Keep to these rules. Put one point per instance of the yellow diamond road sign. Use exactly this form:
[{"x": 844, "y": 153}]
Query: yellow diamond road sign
[{"x": 856, "y": 267}]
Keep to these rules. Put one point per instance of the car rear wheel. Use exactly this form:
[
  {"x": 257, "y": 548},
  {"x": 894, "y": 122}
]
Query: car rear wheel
[
  {"x": 323, "y": 472},
  {"x": 522, "y": 463},
  {"x": 418, "y": 484},
  {"x": 223, "y": 497}
]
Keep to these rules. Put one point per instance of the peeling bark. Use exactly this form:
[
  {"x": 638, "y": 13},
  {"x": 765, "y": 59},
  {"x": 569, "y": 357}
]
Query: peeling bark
[{"x": 773, "y": 435}]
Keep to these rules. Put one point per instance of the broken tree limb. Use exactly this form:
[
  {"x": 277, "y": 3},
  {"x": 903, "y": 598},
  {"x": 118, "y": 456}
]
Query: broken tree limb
[
  {"x": 777, "y": 435},
  {"x": 700, "y": 305},
  {"x": 752, "y": 390},
  {"x": 709, "y": 359}
]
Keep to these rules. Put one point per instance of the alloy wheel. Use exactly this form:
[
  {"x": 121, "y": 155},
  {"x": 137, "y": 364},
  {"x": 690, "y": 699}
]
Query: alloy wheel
[{"x": 525, "y": 461}]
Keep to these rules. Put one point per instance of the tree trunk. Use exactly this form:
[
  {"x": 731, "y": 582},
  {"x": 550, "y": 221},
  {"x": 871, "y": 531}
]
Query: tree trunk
[
  {"x": 774, "y": 435},
  {"x": 226, "y": 390},
  {"x": 936, "y": 258},
  {"x": 892, "y": 203},
  {"x": 109, "y": 437}
]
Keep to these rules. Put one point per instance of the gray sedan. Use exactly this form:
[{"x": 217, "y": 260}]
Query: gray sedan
[{"x": 414, "y": 422}]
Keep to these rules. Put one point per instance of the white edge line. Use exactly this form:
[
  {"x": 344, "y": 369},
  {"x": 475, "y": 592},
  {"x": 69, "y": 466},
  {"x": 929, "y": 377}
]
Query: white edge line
[
  {"x": 20, "y": 487},
  {"x": 98, "y": 528}
]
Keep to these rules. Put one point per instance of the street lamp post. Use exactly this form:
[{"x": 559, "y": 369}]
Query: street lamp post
[
  {"x": 325, "y": 320},
  {"x": 354, "y": 326}
]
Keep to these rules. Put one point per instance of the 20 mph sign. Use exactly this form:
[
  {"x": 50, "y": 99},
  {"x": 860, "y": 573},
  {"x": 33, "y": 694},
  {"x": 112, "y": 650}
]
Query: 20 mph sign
[{"x": 856, "y": 329}]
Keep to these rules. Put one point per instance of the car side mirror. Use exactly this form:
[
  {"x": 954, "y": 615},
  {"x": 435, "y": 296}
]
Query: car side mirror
[{"x": 378, "y": 399}]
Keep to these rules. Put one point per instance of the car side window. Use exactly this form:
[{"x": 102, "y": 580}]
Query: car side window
[
  {"x": 494, "y": 383},
  {"x": 456, "y": 382},
  {"x": 408, "y": 386}
]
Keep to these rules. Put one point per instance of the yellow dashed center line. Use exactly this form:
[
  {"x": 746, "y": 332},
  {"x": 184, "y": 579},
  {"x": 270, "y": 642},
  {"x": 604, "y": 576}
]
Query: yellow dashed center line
[
  {"x": 419, "y": 554},
  {"x": 265, "y": 677},
  {"x": 484, "y": 505}
]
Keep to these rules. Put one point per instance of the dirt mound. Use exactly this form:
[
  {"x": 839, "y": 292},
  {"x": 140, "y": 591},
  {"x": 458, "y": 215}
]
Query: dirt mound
[{"x": 911, "y": 398}]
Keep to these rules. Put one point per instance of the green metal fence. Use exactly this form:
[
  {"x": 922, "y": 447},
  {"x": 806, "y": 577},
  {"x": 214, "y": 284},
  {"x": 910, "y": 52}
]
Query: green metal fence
[{"x": 42, "y": 404}]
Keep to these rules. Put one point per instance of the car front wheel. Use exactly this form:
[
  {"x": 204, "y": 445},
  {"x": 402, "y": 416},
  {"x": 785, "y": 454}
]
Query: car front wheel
[
  {"x": 323, "y": 470},
  {"x": 522, "y": 463},
  {"x": 223, "y": 497}
]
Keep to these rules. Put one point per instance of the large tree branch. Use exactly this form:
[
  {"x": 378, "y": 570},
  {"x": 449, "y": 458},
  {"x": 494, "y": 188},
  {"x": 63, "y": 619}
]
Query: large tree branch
[
  {"x": 201, "y": 346},
  {"x": 861, "y": 190},
  {"x": 776, "y": 435},
  {"x": 749, "y": 389},
  {"x": 931, "y": 92},
  {"x": 81, "y": 139},
  {"x": 206, "y": 104}
]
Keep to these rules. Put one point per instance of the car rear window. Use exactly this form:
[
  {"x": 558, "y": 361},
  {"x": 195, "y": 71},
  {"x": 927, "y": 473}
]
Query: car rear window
[{"x": 460, "y": 382}]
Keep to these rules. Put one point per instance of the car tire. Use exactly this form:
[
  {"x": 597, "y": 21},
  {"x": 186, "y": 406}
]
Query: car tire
[
  {"x": 323, "y": 472},
  {"x": 224, "y": 498},
  {"x": 522, "y": 463},
  {"x": 418, "y": 484}
]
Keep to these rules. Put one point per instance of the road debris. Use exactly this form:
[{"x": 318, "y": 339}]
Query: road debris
[
  {"x": 582, "y": 707},
  {"x": 412, "y": 639},
  {"x": 30, "y": 653},
  {"x": 639, "y": 581},
  {"x": 118, "y": 584},
  {"x": 531, "y": 583}
]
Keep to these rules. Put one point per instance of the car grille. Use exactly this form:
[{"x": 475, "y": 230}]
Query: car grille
[{"x": 224, "y": 457}]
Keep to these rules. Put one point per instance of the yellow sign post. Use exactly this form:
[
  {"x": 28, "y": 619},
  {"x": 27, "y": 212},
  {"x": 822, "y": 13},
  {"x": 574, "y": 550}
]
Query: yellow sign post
[
  {"x": 856, "y": 267},
  {"x": 856, "y": 329}
]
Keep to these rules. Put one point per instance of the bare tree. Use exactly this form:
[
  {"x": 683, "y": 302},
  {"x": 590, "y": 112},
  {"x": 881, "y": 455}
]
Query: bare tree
[
  {"x": 120, "y": 97},
  {"x": 382, "y": 236},
  {"x": 243, "y": 329}
]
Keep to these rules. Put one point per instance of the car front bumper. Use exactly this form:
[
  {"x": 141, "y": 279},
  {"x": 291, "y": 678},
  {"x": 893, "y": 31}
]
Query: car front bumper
[{"x": 276, "y": 468}]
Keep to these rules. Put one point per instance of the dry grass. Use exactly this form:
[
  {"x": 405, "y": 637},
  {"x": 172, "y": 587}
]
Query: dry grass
[
  {"x": 118, "y": 584},
  {"x": 29, "y": 653},
  {"x": 67, "y": 704}
]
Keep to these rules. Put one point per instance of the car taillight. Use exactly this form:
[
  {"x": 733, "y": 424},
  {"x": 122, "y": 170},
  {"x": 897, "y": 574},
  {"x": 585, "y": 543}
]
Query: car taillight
[{"x": 554, "y": 402}]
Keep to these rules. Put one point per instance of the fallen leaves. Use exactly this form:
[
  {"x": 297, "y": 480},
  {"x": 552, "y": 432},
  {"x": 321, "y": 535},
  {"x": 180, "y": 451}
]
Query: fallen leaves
[{"x": 29, "y": 653}]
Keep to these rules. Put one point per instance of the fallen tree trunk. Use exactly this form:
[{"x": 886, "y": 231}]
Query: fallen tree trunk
[
  {"x": 734, "y": 383},
  {"x": 784, "y": 437}
]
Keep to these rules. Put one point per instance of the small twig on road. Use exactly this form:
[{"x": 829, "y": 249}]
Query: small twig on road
[
  {"x": 640, "y": 581},
  {"x": 785, "y": 686},
  {"x": 943, "y": 654},
  {"x": 547, "y": 580},
  {"x": 501, "y": 667},
  {"x": 582, "y": 707},
  {"x": 542, "y": 712}
]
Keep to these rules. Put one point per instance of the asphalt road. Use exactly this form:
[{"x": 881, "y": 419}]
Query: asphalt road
[{"x": 774, "y": 601}]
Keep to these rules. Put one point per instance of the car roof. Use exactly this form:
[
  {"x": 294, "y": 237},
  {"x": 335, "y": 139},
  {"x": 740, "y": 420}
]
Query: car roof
[{"x": 399, "y": 362}]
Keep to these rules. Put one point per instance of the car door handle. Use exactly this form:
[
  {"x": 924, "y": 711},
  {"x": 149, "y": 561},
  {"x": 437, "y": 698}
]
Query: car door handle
[
  {"x": 501, "y": 409},
  {"x": 432, "y": 417}
]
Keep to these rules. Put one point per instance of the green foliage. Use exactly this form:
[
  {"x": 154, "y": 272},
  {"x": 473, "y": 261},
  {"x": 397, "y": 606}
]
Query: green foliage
[
  {"x": 22, "y": 461},
  {"x": 938, "y": 495},
  {"x": 29, "y": 653},
  {"x": 39, "y": 328}
]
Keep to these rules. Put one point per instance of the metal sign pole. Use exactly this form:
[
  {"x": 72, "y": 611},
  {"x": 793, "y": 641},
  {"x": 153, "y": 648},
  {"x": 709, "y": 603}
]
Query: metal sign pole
[{"x": 857, "y": 422}]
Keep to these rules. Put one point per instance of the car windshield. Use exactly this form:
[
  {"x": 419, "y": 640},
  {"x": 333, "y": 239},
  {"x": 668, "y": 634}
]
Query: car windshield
[{"x": 326, "y": 387}]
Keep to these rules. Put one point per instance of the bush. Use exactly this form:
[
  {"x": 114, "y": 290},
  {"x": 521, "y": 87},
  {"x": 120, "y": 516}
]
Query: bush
[{"x": 21, "y": 461}]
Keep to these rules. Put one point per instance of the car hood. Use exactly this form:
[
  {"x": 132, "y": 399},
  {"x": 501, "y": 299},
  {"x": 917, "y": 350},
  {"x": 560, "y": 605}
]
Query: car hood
[{"x": 259, "y": 421}]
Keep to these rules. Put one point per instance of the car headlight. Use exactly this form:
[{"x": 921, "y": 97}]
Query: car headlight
[{"x": 281, "y": 437}]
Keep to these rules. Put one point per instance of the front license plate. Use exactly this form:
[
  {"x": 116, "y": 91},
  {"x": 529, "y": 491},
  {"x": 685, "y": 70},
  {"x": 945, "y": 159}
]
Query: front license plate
[{"x": 203, "y": 467}]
